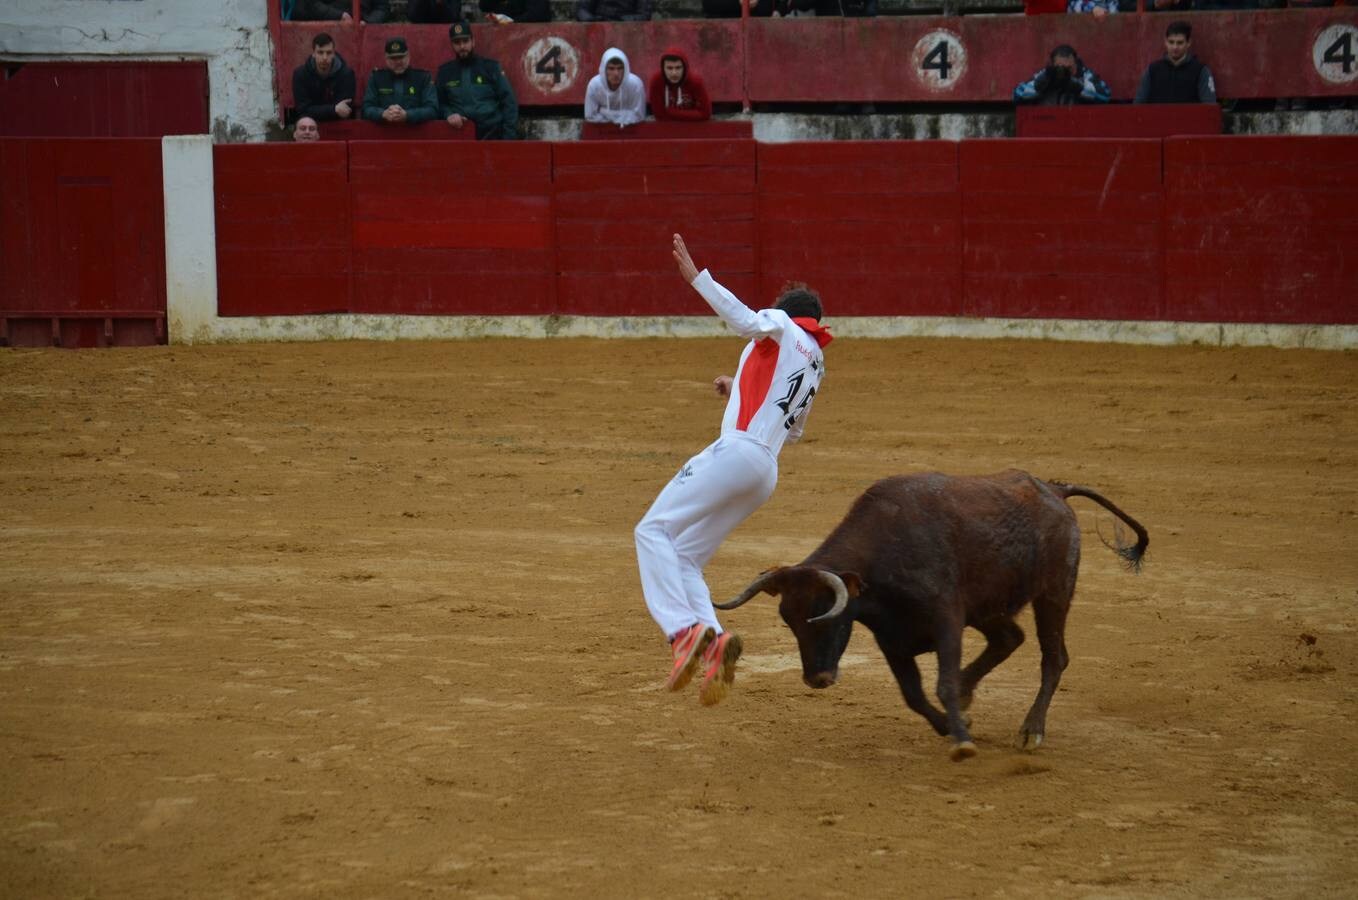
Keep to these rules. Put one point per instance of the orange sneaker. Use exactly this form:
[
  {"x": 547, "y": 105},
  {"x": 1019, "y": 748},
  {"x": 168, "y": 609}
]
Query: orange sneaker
[
  {"x": 687, "y": 648},
  {"x": 720, "y": 659}
]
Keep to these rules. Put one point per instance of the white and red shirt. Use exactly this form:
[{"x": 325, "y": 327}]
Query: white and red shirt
[{"x": 780, "y": 369}]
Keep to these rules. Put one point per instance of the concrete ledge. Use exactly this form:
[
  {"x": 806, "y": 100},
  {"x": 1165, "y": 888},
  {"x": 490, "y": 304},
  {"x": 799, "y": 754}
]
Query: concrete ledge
[{"x": 347, "y": 327}]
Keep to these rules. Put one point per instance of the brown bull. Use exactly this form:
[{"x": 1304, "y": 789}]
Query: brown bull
[{"x": 920, "y": 557}]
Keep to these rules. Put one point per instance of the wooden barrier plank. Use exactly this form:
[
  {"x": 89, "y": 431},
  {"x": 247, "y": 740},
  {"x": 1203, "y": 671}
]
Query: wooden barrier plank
[
  {"x": 17, "y": 288},
  {"x": 1256, "y": 229},
  {"x": 1065, "y": 223},
  {"x": 283, "y": 232},
  {"x": 278, "y": 169},
  {"x": 570, "y": 156},
  {"x": 612, "y": 207},
  {"x": 874, "y": 226},
  {"x": 1337, "y": 151},
  {"x": 641, "y": 294}
]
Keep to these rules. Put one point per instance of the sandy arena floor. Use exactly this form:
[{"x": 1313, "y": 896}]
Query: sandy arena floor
[{"x": 362, "y": 620}]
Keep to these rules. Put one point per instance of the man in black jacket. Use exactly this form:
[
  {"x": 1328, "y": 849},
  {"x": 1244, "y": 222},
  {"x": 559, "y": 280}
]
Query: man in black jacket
[
  {"x": 1179, "y": 77},
  {"x": 323, "y": 86}
]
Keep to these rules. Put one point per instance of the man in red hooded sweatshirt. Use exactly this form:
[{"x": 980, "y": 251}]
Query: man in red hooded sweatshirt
[{"x": 676, "y": 94}]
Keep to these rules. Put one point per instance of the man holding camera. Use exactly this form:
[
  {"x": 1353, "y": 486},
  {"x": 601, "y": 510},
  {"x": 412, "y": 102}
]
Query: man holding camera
[{"x": 1065, "y": 81}]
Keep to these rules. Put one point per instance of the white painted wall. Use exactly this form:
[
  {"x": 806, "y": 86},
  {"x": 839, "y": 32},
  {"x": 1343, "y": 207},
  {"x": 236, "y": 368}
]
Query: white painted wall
[
  {"x": 231, "y": 35},
  {"x": 190, "y": 238}
]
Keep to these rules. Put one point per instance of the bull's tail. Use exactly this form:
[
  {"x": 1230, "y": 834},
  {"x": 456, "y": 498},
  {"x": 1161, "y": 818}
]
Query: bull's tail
[{"x": 1132, "y": 554}]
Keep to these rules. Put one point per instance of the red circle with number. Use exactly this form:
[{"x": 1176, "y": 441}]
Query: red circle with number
[
  {"x": 551, "y": 64},
  {"x": 1335, "y": 54},
  {"x": 939, "y": 60}
]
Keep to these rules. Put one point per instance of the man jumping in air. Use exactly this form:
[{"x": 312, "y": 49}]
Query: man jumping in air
[{"x": 770, "y": 395}]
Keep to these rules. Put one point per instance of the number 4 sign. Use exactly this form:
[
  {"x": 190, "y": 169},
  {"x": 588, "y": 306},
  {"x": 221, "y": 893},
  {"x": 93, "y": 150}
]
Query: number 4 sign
[
  {"x": 939, "y": 60},
  {"x": 1335, "y": 54},
  {"x": 551, "y": 65}
]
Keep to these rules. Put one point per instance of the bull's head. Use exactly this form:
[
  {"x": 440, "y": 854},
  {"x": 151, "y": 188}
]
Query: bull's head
[{"x": 813, "y": 603}]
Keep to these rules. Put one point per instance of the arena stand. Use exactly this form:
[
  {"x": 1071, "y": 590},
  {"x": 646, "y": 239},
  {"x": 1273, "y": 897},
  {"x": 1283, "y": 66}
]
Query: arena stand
[
  {"x": 1165, "y": 229},
  {"x": 1262, "y": 54}
]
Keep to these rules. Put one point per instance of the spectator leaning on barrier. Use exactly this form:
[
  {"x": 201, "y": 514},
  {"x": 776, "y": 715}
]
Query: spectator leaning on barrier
[
  {"x": 1097, "y": 8},
  {"x": 399, "y": 94},
  {"x": 504, "y": 12},
  {"x": 615, "y": 96},
  {"x": 474, "y": 87},
  {"x": 323, "y": 86},
  {"x": 434, "y": 12},
  {"x": 677, "y": 94},
  {"x": 1179, "y": 77},
  {"x": 374, "y": 12},
  {"x": 1065, "y": 81},
  {"x": 306, "y": 130},
  {"x": 614, "y": 10}
]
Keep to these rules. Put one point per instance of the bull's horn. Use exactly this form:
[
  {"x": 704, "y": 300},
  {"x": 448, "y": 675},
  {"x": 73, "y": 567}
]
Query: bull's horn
[
  {"x": 755, "y": 587},
  {"x": 836, "y": 584}
]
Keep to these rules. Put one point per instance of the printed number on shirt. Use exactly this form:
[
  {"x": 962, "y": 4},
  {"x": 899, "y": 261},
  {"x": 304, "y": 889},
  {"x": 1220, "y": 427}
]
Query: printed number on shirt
[{"x": 794, "y": 382}]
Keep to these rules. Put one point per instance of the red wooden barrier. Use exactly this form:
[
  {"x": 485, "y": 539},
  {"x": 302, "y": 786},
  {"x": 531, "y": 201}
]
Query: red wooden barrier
[
  {"x": 283, "y": 230},
  {"x": 452, "y": 228},
  {"x": 1142, "y": 120},
  {"x": 618, "y": 203},
  {"x": 874, "y": 227},
  {"x": 363, "y": 130},
  {"x": 1258, "y": 53},
  {"x": 103, "y": 99},
  {"x": 1062, "y": 228},
  {"x": 1261, "y": 229},
  {"x": 82, "y": 242},
  {"x": 1238, "y": 229},
  {"x": 724, "y": 130}
]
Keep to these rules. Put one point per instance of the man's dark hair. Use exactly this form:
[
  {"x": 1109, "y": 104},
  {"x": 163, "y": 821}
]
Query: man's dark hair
[
  {"x": 1063, "y": 50},
  {"x": 1180, "y": 28},
  {"x": 799, "y": 301},
  {"x": 321, "y": 40}
]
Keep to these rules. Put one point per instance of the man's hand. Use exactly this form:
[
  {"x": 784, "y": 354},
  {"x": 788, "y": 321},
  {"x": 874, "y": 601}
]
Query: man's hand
[
  {"x": 343, "y": 109},
  {"x": 687, "y": 270},
  {"x": 345, "y": 17},
  {"x": 722, "y": 384},
  {"x": 456, "y": 120}
]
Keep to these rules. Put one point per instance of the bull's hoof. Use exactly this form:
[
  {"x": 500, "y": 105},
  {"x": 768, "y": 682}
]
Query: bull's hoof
[
  {"x": 1029, "y": 741},
  {"x": 962, "y": 750}
]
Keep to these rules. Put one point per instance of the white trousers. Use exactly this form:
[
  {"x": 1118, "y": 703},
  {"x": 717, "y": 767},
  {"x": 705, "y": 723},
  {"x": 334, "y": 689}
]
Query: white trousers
[{"x": 713, "y": 493}]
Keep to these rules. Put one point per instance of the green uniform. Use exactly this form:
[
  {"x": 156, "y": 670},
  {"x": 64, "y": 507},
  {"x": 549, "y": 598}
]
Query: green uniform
[
  {"x": 477, "y": 89},
  {"x": 413, "y": 91}
]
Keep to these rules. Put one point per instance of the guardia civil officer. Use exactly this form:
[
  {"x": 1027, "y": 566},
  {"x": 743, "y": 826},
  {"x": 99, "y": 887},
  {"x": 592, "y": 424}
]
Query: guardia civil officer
[
  {"x": 475, "y": 88},
  {"x": 398, "y": 94}
]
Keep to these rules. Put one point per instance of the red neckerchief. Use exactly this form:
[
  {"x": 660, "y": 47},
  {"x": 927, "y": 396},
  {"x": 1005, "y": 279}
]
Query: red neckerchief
[{"x": 818, "y": 331}]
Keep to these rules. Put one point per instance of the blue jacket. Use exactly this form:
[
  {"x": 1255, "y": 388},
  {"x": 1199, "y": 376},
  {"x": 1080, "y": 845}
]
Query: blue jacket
[{"x": 1045, "y": 88}]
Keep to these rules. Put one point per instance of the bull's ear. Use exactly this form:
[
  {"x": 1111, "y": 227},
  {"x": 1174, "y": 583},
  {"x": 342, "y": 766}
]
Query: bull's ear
[{"x": 853, "y": 582}]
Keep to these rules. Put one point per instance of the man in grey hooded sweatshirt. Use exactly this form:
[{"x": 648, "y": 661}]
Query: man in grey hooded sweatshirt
[{"x": 615, "y": 96}]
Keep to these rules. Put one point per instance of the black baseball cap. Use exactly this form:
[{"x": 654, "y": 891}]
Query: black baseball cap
[{"x": 397, "y": 46}]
